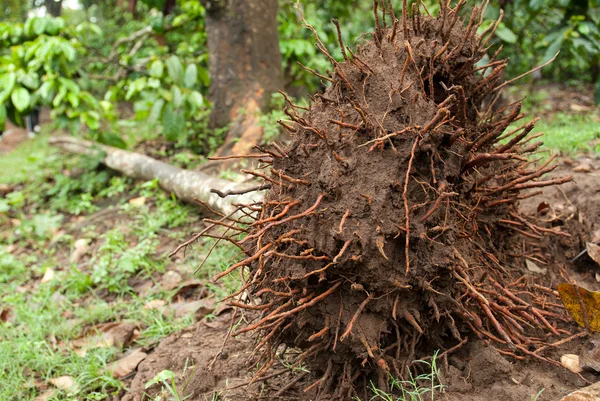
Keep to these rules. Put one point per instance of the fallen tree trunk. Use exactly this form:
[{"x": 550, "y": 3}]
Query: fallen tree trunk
[{"x": 187, "y": 185}]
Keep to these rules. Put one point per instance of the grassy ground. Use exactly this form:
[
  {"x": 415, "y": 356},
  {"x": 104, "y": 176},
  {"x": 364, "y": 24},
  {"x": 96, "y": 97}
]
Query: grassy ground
[
  {"x": 49, "y": 301},
  {"x": 54, "y": 206}
]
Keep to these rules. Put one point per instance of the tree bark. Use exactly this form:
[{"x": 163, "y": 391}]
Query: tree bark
[
  {"x": 185, "y": 184},
  {"x": 244, "y": 67},
  {"x": 54, "y": 8}
]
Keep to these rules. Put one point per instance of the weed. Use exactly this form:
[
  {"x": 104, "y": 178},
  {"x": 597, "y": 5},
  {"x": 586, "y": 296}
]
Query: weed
[{"x": 419, "y": 388}]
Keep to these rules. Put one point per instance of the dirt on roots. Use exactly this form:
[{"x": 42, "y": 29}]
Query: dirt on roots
[
  {"x": 390, "y": 227},
  {"x": 474, "y": 372}
]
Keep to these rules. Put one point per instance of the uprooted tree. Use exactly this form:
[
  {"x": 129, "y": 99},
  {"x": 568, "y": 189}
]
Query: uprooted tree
[{"x": 387, "y": 229}]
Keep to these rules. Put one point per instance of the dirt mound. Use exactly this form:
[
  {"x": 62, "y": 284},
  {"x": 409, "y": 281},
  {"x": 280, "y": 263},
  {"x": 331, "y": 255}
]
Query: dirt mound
[
  {"x": 388, "y": 229},
  {"x": 475, "y": 372}
]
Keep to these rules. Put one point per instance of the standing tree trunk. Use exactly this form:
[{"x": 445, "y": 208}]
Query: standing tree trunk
[
  {"x": 53, "y": 7},
  {"x": 244, "y": 66}
]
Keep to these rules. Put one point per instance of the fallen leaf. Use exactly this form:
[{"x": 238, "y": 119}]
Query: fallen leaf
[
  {"x": 80, "y": 248},
  {"x": 184, "y": 308},
  {"x": 170, "y": 280},
  {"x": 46, "y": 395},
  {"x": 191, "y": 288},
  {"x": 543, "y": 208},
  {"x": 591, "y": 303},
  {"x": 532, "y": 267},
  {"x": 571, "y": 362},
  {"x": 579, "y": 107},
  {"x": 582, "y": 168},
  {"x": 5, "y": 314},
  {"x": 65, "y": 383},
  {"x": 127, "y": 364},
  {"x": 593, "y": 251},
  {"x": 589, "y": 393},
  {"x": 138, "y": 202},
  {"x": 48, "y": 276},
  {"x": 155, "y": 304},
  {"x": 106, "y": 335},
  {"x": 590, "y": 359}
]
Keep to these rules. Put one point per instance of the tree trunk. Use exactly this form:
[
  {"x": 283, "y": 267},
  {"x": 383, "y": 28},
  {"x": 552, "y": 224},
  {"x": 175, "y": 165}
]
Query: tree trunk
[
  {"x": 185, "y": 184},
  {"x": 54, "y": 8},
  {"x": 169, "y": 7},
  {"x": 245, "y": 67}
]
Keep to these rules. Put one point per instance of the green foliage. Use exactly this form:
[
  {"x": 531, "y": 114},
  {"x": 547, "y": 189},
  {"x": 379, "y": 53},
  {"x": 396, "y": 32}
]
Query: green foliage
[
  {"x": 534, "y": 31},
  {"x": 423, "y": 387}
]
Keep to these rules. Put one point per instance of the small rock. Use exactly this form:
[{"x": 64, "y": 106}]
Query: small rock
[
  {"x": 571, "y": 362},
  {"x": 171, "y": 280},
  {"x": 590, "y": 393}
]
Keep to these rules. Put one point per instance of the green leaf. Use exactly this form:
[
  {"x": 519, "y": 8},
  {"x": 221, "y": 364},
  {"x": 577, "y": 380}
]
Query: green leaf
[
  {"x": 156, "y": 69},
  {"x": 204, "y": 76},
  {"x": 173, "y": 123},
  {"x": 2, "y": 115},
  {"x": 195, "y": 99},
  {"x": 597, "y": 93},
  {"x": 30, "y": 80},
  {"x": 177, "y": 97},
  {"x": 20, "y": 98},
  {"x": 112, "y": 139},
  {"x": 7, "y": 83},
  {"x": 191, "y": 76},
  {"x": 73, "y": 99},
  {"x": 175, "y": 70},
  {"x": 39, "y": 26},
  {"x": 161, "y": 377},
  {"x": 505, "y": 34},
  {"x": 156, "y": 110}
]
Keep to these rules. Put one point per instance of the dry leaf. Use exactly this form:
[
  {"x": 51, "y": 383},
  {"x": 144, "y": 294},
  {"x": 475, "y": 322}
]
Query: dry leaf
[
  {"x": 571, "y": 362},
  {"x": 127, "y": 364},
  {"x": 46, "y": 395},
  {"x": 65, "y": 383},
  {"x": 582, "y": 168},
  {"x": 171, "y": 280},
  {"x": 593, "y": 251},
  {"x": 591, "y": 303},
  {"x": 532, "y": 267},
  {"x": 543, "y": 208},
  {"x": 138, "y": 202},
  {"x": 589, "y": 393},
  {"x": 579, "y": 107},
  {"x": 155, "y": 304},
  {"x": 80, "y": 248},
  {"x": 5, "y": 314},
  {"x": 106, "y": 335},
  {"x": 185, "y": 308},
  {"x": 191, "y": 288},
  {"x": 48, "y": 276}
]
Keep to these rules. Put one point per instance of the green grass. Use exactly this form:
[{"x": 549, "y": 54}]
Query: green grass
[
  {"x": 25, "y": 160},
  {"x": 52, "y": 196},
  {"x": 571, "y": 133},
  {"x": 424, "y": 387}
]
